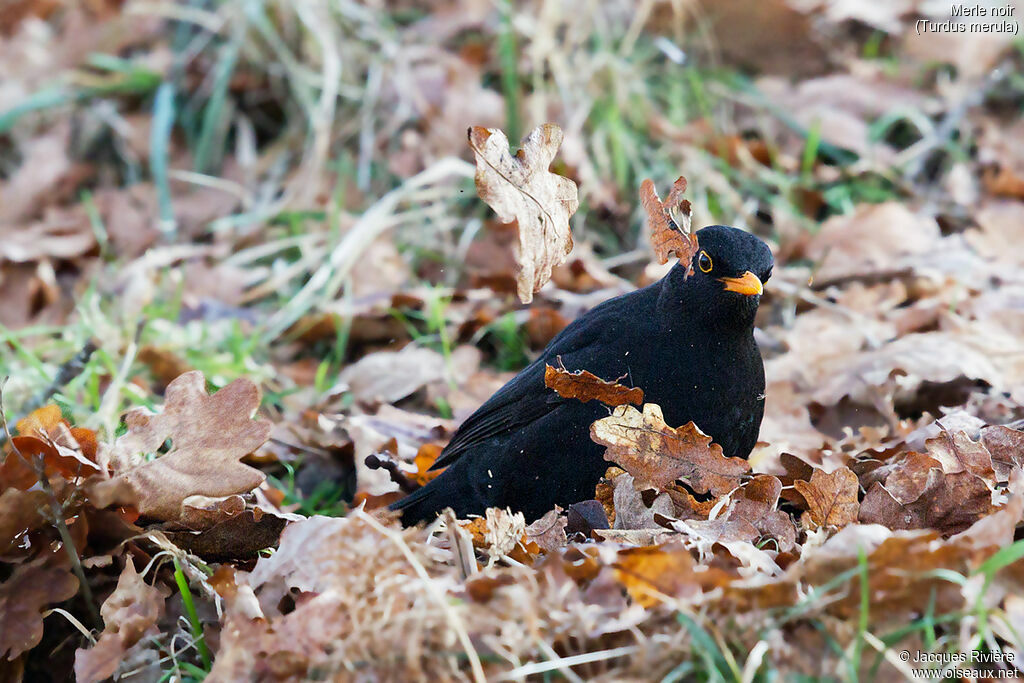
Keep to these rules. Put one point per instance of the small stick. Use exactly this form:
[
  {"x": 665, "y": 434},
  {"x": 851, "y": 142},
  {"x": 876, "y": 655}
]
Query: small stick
[{"x": 375, "y": 462}]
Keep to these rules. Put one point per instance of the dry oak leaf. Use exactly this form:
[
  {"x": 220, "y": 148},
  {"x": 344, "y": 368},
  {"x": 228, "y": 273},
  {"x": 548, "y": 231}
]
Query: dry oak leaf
[
  {"x": 831, "y": 498},
  {"x": 521, "y": 188},
  {"x": 131, "y": 610},
  {"x": 956, "y": 452},
  {"x": 670, "y": 221},
  {"x": 27, "y": 591},
  {"x": 210, "y": 434},
  {"x": 656, "y": 454},
  {"x": 584, "y": 386}
]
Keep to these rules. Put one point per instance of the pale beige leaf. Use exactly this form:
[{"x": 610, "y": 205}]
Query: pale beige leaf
[{"x": 521, "y": 188}]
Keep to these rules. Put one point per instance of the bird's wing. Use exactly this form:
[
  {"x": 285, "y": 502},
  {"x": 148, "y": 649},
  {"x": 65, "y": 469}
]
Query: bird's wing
[{"x": 523, "y": 399}]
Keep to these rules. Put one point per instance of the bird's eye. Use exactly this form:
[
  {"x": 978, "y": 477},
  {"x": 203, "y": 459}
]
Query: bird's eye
[{"x": 704, "y": 262}]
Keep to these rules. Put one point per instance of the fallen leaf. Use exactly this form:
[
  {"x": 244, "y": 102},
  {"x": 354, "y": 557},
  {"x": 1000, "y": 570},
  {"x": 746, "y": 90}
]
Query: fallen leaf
[
  {"x": 653, "y": 572},
  {"x": 956, "y": 452},
  {"x": 521, "y": 188},
  {"x": 548, "y": 532},
  {"x": 1006, "y": 446},
  {"x": 831, "y": 498},
  {"x": 20, "y": 512},
  {"x": 631, "y": 512},
  {"x": 656, "y": 454},
  {"x": 45, "y": 436},
  {"x": 131, "y": 611},
  {"x": 586, "y": 386},
  {"x": 670, "y": 222},
  {"x": 948, "y": 503},
  {"x": 389, "y": 376},
  {"x": 756, "y": 502},
  {"x": 424, "y": 460},
  {"x": 210, "y": 434},
  {"x": 29, "y": 589}
]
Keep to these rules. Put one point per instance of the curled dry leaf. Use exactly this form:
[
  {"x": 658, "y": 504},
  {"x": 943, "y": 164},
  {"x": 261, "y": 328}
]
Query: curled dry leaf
[
  {"x": 548, "y": 532},
  {"x": 29, "y": 589},
  {"x": 586, "y": 386},
  {"x": 956, "y": 452},
  {"x": 656, "y": 454},
  {"x": 947, "y": 503},
  {"x": 210, "y": 434},
  {"x": 756, "y": 502},
  {"x": 1006, "y": 446},
  {"x": 670, "y": 221},
  {"x": 131, "y": 610},
  {"x": 44, "y": 435},
  {"x": 521, "y": 188},
  {"x": 831, "y": 498}
]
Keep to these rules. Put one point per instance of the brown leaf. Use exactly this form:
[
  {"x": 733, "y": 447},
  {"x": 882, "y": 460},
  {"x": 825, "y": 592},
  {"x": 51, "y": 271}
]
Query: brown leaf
[
  {"x": 948, "y": 503},
  {"x": 520, "y": 188},
  {"x": 756, "y": 502},
  {"x": 20, "y": 511},
  {"x": 128, "y": 614},
  {"x": 210, "y": 435},
  {"x": 656, "y": 454},
  {"x": 239, "y": 536},
  {"x": 1006, "y": 446},
  {"x": 831, "y": 498},
  {"x": 585, "y": 386},
  {"x": 29, "y": 589},
  {"x": 957, "y": 453},
  {"x": 670, "y": 221}
]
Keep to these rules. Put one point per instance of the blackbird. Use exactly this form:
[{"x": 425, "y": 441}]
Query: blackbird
[{"x": 688, "y": 342}]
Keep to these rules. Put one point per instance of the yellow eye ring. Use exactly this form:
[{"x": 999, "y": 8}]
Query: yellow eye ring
[{"x": 704, "y": 262}]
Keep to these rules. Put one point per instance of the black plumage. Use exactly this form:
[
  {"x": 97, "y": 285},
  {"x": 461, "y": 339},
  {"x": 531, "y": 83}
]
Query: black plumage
[{"x": 686, "y": 341}]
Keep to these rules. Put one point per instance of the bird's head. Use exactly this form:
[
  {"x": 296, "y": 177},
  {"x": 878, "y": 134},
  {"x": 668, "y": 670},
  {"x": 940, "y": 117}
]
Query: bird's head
[{"x": 729, "y": 272}]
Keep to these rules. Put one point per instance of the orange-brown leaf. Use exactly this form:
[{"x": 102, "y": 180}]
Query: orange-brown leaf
[
  {"x": 831, "y": 498},
  {"x": 656, "y": 454},
  {"x": 670, "y": 221},
  {"x": 651, "y": 572},
  {"x": 584, "y": 386}
]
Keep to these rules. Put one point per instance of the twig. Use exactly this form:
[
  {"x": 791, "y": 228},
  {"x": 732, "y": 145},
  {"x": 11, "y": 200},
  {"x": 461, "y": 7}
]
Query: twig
[
  {"x": 375, "y": 462},
  {"x": 58, "y": 517}
]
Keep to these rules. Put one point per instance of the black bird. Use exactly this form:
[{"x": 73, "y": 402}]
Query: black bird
[{"x": 688, "y": 342}]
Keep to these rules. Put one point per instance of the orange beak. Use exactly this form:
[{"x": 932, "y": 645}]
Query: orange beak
[{"x": 747, "y": 284}]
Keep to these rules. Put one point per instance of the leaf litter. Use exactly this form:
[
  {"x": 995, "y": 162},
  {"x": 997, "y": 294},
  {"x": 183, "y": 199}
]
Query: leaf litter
[{"x": 889, "y": 474}]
